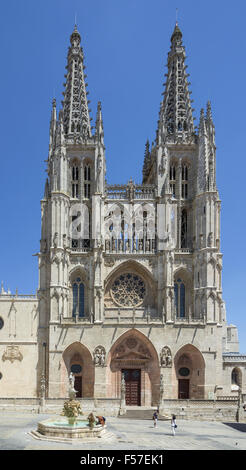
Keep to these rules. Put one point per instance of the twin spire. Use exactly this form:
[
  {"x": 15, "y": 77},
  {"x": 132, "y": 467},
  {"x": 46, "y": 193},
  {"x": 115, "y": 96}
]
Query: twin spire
[
  {"x": 176, "y": 119},
  {"x": 74, "y": 118}
]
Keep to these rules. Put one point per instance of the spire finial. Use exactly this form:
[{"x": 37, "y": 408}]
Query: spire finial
[
  {"x": 176, "y": 16},
  {"x": 209, "y": 111}
]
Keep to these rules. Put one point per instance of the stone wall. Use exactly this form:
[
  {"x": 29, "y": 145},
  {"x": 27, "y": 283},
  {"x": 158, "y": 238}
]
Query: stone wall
[{"x": 203, "y": 410}]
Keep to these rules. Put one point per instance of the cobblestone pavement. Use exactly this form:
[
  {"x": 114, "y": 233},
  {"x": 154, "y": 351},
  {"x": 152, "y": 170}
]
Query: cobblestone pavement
[{"x": 124, "y": 434}]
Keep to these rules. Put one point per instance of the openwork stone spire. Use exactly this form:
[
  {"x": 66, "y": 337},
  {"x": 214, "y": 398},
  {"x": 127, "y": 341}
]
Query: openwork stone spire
[
  {"x": 176, "y": 120},
  {"x": 147, "y": 161},
  {"x": 76, "y": 119}
]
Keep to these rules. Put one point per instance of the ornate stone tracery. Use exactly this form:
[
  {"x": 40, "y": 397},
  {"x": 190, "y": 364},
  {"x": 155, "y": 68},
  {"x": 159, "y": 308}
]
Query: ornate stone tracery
[{"x": 128, "y": 290}]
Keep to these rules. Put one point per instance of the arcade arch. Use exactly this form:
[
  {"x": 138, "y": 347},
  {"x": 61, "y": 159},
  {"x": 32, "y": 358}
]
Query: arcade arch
[
  {"x": 77, "y": 359},
  {"x": 189, "y": 370},
  {"x": 134, "y": 355}
]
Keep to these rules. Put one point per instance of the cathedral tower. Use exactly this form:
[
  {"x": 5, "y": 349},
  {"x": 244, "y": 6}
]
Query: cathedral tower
[{"x": 130, "y": 274}]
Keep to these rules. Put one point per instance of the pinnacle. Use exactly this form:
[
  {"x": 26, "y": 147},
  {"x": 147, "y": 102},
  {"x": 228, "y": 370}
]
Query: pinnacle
[
  {"x": 209, "y": 112},
  {"x": 176, "y": 111},
  {"x": 75, "y": 104},
  {"x": 176, "y": 33},
  {"x": 75, "y": 35}
]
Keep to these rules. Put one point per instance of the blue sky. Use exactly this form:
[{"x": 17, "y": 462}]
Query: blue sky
[{"x": 125, "y": 45}]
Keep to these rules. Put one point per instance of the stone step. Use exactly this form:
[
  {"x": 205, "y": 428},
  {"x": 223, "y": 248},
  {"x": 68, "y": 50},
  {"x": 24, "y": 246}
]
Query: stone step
[{"x": 142, "y": 413}]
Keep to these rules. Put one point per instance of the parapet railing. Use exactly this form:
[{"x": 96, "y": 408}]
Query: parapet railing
[
  {"x": 130, "y": 191},
  {"x": 131, "y": 315},
  {"x": 114, "y": 245}
]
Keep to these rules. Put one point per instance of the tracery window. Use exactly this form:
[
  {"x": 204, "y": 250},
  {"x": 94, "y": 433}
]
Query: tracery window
[
  {"x": 128, "y": 290},
  {"x": 179, "y": 293},
  {"x": 75, "y": 181},
  {"x": 87, "y": 181},
  {"x": 184, "y": 228},
  {"x": 172, "y": 179},
  {"x": 184, "y": 181},
  {"x": 78, "y": 298}
]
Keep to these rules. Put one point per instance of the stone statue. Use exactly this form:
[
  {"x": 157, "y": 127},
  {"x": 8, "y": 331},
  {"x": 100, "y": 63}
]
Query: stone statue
[
  {"x": 166, "y": 357},
  {"x": 122, "y": 396},
  {"x": 71, "y": 390},
  {"x": 99, "y": 356},
  {"x": 123, "y": 388}
]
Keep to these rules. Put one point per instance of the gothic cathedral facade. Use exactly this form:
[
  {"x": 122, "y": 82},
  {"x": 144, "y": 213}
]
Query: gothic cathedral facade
[{"x": 129, "y": 275}]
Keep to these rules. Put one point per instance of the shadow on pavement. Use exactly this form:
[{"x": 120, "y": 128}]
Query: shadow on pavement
[{"x": 238, "y": 426}]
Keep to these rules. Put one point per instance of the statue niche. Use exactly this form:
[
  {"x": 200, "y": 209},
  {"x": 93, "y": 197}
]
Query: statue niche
[{"x": 166, "y": 357}]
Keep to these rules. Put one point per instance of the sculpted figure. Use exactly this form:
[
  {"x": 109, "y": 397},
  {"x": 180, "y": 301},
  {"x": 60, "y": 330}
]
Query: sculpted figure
[
  {"x": 99, "y": 356},
  {"x": 166, "y": 357}
]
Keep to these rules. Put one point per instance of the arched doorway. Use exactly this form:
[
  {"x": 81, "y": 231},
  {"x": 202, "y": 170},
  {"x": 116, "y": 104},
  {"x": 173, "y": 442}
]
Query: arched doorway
[
  {"x": 134, "y": 356},
  {"x": 190, "y": 373},
  {"x": 78, "y": 360}
]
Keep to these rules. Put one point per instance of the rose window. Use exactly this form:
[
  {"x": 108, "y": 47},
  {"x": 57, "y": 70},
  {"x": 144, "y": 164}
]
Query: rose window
[{"x": 128, "y": 290}]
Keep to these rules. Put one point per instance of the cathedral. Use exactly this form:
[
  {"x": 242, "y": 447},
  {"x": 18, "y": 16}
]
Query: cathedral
[{"x": 129, "y": 274}]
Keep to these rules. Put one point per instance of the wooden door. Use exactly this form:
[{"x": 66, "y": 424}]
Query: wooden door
[
  {"x": 133, "y": 386},
  {"x": 78, "y": 386},
  {"x": 184, "y": 387}
]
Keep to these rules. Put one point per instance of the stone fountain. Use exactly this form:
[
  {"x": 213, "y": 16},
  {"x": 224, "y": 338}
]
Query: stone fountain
[{"x": 71, "y": 426}]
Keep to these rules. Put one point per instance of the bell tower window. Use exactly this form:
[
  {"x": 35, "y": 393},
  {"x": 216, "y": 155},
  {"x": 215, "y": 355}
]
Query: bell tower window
[
  {"x": 184, "y": 228},
  {"x": 75, "y": 181},
  {"x": 184, "y": 181},
  {"x": 87, "y": 181},
  {"x": 172, "y": 179}
]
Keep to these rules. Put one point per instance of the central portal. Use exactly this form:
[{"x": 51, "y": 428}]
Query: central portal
[{"x": 133, "y": 386}]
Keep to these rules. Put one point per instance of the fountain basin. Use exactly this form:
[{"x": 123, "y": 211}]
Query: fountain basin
[{"x": 52, "y": 428}]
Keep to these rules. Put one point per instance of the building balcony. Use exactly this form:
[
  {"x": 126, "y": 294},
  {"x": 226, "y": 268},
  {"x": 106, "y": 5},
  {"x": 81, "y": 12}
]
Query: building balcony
[
  {"x": 190, "y": 319},
  {"x": 132, "y": 315},
  {"x": 80, "y": 245},
  {"x": 130, "y": 246},
  {"x": 183, "y": 250},
  {"x": 131, "y": 191}
]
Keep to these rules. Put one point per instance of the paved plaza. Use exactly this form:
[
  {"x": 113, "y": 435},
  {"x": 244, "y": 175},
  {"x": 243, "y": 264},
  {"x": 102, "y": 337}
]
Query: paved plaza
[{"x": 124, "y": 434}]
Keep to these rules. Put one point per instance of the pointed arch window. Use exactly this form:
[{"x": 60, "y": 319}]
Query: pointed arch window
[
  {"x": 184, "y": 228},
  {"x": 172, "y": 180},
  {"x": 78, "y": 298},
  {"x": 179, "y": 295},
  {"x": 75, "y": 181},
  {"x": 184, "y": 181},
  {"x": 87, "y": 181}
]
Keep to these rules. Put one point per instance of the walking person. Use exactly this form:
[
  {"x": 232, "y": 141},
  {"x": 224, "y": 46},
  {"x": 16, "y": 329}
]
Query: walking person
[
  {"x": 173, "y": 424},
  {"x": 155, "y": 418}
]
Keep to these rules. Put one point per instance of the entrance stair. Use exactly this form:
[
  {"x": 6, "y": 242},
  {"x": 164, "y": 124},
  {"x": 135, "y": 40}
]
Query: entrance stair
[{"x": 142, "y": 412}]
